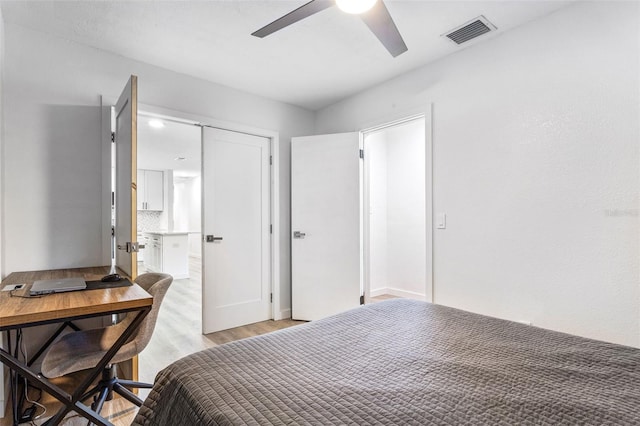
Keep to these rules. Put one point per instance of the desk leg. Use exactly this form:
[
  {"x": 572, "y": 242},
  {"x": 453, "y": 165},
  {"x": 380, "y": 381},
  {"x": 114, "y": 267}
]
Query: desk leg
[
  {"x": 71, "y": 402},
  {"x": 13, "y": 381}
]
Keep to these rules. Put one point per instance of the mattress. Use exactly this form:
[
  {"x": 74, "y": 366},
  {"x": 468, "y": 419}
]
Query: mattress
[{"x": 402, "y": 362}]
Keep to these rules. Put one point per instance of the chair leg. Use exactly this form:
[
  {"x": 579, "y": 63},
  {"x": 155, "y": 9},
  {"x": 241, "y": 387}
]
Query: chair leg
[
  {"x": 132, "y": 384},
  {"x": 99, "y": 402},
  {"x": 93, "y": 390},
  {"x": 127, "y": 394}
]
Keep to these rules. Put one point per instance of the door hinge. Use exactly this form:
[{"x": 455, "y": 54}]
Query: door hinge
[
  {"x": 362, "y": 299},
  {"x": 271, "y": 229},
  {"x": 271, "y": 297},
  {"x": 113, "y": 137},
  {"x": 113, "y": 231},
  {"x": 362, "y": 153},
  {"x": 113, "y": 198},
  {"x": 271, "y": 160}
]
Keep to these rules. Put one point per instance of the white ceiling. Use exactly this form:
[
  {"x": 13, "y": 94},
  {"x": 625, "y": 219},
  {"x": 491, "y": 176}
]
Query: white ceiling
[
  {"x": 313, "y": 63},
  {"x": 159, "y": 148}
]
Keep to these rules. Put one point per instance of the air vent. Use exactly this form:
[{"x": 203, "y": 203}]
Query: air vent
[{"x": 472, "y": 29}]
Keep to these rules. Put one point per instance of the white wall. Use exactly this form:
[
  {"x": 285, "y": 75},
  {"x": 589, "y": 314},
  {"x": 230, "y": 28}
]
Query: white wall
[
  {"x": 3, "y": 391},
  {"x": 375, "y": 146},
  {"x": 186, "y": 204},
  {"x": 394, "y": 160},
  {"x": 187, "y": 208},
  {"x": 52, "y": 146},
  {"x": 536, "y": 163},
  {"x": 406, "y": 208}
]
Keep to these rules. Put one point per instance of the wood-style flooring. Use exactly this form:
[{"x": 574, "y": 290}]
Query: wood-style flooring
[
  {"x": 177, "y": 334},
  {"x": 383, "y": 297}
]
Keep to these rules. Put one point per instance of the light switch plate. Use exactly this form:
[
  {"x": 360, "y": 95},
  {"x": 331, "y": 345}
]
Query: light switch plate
[{"x": 441, "y": 221}]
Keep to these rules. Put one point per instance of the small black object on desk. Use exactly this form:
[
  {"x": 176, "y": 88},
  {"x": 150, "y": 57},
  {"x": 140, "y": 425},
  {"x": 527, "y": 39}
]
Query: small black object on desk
[{"x": 111, "y": 278}]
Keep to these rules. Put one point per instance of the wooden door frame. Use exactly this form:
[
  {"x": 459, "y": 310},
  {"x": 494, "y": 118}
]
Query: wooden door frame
[
  {"x": 277, "y": 313},
  {"x": 425, "y": 112}
]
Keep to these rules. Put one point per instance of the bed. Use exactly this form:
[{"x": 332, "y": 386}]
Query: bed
[{"x": 402, "y": 362}]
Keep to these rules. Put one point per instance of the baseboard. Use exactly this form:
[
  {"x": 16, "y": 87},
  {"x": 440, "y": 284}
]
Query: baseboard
[
  {"x": 5, "y": 383},
  {"x": 4, "y": 402},
  {"x": 283, "y": 314},
  {"x": 398, "y": 293},
  {"x": 378, "y": 292}
]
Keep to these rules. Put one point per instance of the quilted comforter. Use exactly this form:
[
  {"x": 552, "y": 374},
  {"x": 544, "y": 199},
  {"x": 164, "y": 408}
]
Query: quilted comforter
[{"x": 402, "y": 362}]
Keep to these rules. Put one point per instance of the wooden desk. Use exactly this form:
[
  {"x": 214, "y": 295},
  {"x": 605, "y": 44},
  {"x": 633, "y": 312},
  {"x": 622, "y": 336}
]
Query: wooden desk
[{"x": 17, "y": 313}]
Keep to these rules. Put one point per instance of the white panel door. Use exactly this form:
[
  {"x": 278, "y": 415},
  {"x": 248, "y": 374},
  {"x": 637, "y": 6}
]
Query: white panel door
[
  {"x": 126, "y": 177},
  {"x": 325, "y": 221},
  {"x": 236, "y": 248}
]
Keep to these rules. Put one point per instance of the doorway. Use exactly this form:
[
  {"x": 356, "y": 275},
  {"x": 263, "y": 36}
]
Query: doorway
[
  {"x": 169, "y": 164},
  {"x": 337, "y": 227},
  {"x": 394, "y": 212}
]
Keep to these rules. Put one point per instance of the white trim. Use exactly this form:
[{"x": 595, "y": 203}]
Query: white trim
[
  {"x": 426, "y": 112},
  {"x": 107, "y": 180},
  {"x": 398, "y": 293},
  {"x": 284, "y": 314},
  {"x": 274, "y": 137},
  {"x": 6, "y": 389}
]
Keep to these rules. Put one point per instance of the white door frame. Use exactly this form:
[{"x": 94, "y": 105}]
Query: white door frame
[
  {"x": 167, "y": 114},
  {"x": 426, "y": 113}
]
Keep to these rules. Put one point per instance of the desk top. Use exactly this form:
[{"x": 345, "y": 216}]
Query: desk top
[{"x": 54, "y": 307}]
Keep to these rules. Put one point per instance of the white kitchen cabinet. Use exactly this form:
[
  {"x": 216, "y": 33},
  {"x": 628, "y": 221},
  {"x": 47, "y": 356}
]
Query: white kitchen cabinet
[
  {"x": 150, "y": 190},
  {"x": 141, "y": 251},
  {"x": 167, "y": 252}
]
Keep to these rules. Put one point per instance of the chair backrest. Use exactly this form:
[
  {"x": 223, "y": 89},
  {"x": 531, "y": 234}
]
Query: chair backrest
[{"x": 156, "y": 284}]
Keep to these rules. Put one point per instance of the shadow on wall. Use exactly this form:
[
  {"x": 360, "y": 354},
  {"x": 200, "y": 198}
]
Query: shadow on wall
[{"x": 72, "y": 201}]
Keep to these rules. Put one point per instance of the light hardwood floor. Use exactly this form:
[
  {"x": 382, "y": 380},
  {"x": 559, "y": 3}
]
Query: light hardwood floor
[
  {"x": 383, "y": 297},
  {"x": 177, "y": 334}
]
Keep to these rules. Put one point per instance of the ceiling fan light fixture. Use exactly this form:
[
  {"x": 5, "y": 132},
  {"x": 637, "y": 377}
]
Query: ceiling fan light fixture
[{"x": 355, "y": 7}]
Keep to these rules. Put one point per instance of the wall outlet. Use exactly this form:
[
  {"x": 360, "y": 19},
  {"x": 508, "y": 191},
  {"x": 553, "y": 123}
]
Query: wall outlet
[{"x": 11, "y": 287}]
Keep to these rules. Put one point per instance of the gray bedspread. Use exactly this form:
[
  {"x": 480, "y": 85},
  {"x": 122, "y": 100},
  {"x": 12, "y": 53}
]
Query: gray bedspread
[{"x": 397, "y": 363}]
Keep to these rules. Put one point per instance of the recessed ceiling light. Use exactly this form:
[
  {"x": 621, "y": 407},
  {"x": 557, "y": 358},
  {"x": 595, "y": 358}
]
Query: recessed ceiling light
[
  {"x": 156, "y": 124},
  {"x": 355, "y": 6}
]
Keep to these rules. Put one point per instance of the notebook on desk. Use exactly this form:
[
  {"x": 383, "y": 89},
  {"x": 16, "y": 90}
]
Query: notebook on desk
[{"x": 41, "y": 287}]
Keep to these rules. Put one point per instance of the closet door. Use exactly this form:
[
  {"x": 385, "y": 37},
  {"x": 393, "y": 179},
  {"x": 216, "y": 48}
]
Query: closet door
[
  {"x": 325, "y": 221},
  {"x": 236, "y": 251}
]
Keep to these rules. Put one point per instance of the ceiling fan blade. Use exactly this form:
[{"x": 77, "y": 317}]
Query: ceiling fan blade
[
  {"x": 304, "y": 11},
  {"x": 381, "y": 24}
]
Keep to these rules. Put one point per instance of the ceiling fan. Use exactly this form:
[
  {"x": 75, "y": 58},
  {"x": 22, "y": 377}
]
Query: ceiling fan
[{"x": 372, "y": 12}]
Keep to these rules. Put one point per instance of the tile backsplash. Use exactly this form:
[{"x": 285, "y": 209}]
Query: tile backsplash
[{"x": 149, "y": 221}]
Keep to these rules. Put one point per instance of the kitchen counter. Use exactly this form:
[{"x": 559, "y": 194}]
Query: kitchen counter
[
  {"x": 168, "y": 252},
  {"x": 166, "y": 232}
]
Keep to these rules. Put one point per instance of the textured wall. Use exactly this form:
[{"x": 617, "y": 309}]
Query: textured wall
[
  {"x": 537, "y": 165},
  {"x": 53, "y": 153}
]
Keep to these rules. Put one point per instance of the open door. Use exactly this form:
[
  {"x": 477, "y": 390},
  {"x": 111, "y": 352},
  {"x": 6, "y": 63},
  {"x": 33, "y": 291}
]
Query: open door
[
  {"x": 126, "y": 130},
  {"x": 325, "y": 220}
]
